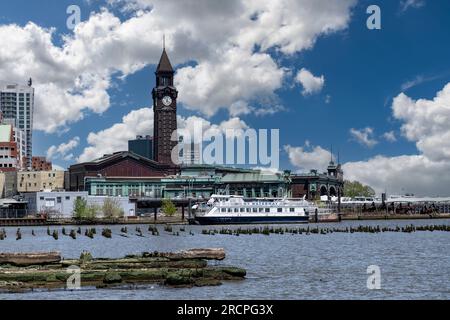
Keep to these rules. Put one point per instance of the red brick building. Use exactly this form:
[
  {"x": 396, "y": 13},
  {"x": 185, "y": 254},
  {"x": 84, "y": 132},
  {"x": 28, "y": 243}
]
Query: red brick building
[
  {"x": 8, "y": 149},
  {"x": 118, "y": 165},
  {"x": 40, "y": 164}
]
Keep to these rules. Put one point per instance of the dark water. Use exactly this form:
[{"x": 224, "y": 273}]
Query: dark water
[{"x": 332, "y": 266}]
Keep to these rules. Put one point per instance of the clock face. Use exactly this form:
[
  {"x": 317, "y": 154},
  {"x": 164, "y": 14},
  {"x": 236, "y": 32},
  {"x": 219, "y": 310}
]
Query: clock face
[{"x": 167, "y": 101}]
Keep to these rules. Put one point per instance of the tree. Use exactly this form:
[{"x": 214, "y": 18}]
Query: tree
[
  {"x": 83, "y": 211},
  {"x": 356, "y": 188},
  {"x": 79, "y": 208},
  {"x": 112, "y": 209},
  {"x": 168, "y": 207}
]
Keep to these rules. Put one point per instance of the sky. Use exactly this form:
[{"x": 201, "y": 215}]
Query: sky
[{"x": 380, "y": 98}]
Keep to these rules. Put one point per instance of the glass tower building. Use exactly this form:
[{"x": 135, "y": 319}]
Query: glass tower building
[{"x": 17, "y": 106}]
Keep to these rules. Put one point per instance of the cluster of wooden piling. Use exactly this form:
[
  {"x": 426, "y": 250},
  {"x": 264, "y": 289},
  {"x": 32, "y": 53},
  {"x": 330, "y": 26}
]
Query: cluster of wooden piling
[
  {"x": 24, "y": 271},
  {"x": 91, "y": 232},
  {"x": 266, "y": 230},
  {"x": 317, "y": 230}
]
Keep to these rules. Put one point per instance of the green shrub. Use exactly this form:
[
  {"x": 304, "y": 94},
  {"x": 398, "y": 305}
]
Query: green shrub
[
  {"x": 111, "y": 208},
  {"x": 168, "y": 207}
]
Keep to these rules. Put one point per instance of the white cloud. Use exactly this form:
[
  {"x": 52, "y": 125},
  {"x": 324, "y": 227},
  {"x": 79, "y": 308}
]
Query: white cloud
[
  {"x": 406, "y": 4},
  {"x": 403, "y": 174},
  {"x": 140, "y": 122},
  {"x": 308, "y": 157},
  {"x": 425, "y": 122},
  {"x": 237, "y": 77},
  {"x": 228, "y": 47},
  {"x": 56, "y": 167},
  {"x": 311, "y": 84},
  {"x": 115, "y": 138},
  {"x": 389, "y": 136},
  {"x": 62, "y": 151},
  {"x": 364, "y": 136},
  {"x": 412, "y": 83}
]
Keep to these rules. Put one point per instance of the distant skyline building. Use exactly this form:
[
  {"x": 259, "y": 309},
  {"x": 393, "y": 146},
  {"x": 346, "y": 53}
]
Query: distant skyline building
[
  {"x": 17, "y": 106},
  {"x": 142, "y": 146},
  {"x": 190, "y": 153}
]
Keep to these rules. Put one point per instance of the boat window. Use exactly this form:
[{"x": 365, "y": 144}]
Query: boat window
[
  {"x": 236, "y": 210},
  {"x": 292, "y": 209},
  {"x": 261, "y": 209},
  {"x": 230, "y": 210},
  {"x": 223, "y": 210},
  {"x": 267, "y": 209},
  {"x": 242, "y": 209},
  {"x": 255, "y": 210},
  {"x": 248, "y": 209},
  {"x": 279, "y": 209}
]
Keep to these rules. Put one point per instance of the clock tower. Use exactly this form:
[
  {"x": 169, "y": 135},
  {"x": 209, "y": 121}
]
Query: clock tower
[{"x": 165, "y": 111}]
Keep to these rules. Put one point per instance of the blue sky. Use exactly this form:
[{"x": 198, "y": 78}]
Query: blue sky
[{"x": 363, "y": 71}]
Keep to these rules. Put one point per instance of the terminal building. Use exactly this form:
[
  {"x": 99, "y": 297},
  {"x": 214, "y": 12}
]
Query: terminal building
[{"x": 146, "y": 169}]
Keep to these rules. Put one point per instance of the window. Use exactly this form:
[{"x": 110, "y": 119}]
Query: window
[
  {"x": 236, "y": 210},
  {"x": 248, "y": 209},
  {"x": 41, "y": 198},
  {"x": 255, "y": 210},
  {"x": 58, "y": 199},
  {"x": 67, "y": 198},
  {"x": 267, "y": 209},
  {"x": 291, "y": 209},
  {"x": 223, "y": 210},
  {"x": 279, "y": 209},
  {"x": 261, "y": 209},
  {"x": 50, "y": 202},
  {"x": 229, "y": 210},
  {"x": 242, "y": 210}
]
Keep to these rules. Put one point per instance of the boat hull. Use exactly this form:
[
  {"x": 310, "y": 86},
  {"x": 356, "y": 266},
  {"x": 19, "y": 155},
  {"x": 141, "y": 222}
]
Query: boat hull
[{"x": 250, "y": 220}]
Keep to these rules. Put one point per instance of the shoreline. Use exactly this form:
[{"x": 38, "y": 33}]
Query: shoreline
[
  {"x": 33, "y": 222},
  {"x": 394, "y": 217},
  {"x": 21, "y": 272}
]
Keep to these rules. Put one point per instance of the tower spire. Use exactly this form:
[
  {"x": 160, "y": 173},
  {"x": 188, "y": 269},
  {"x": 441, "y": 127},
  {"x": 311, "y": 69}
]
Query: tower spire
[
  {"x": 164, "y": 63},
  {"x": 331, "y": 154},
  {"x": 164, "y": 41}
]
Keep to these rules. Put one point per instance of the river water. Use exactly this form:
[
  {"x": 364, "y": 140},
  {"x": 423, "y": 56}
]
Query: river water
[{"x": 279, "y": 266}]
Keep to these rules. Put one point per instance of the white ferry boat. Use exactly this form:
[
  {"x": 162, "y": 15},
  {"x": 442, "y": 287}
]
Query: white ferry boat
[{"x": 236, "y": 210}]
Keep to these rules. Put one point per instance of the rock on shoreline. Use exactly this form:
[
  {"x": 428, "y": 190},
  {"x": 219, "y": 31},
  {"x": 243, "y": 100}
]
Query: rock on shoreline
[{"x": 26, "y": 271}]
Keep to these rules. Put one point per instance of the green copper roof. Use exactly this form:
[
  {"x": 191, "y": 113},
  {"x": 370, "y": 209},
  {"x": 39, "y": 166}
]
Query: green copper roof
[{"x": 251, "y": 177}]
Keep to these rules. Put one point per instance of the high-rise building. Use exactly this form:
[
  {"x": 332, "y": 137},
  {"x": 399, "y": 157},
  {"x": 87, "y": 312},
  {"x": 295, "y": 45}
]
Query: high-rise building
[
  {"x": 165, "y": 112},
  {"x": 17, "y": 105},
  {"x": 142, "y": 146},
  {"x": 189, "y": 153}
]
